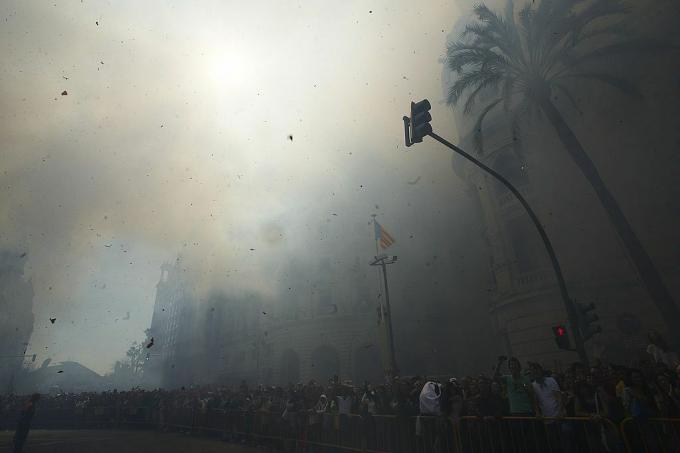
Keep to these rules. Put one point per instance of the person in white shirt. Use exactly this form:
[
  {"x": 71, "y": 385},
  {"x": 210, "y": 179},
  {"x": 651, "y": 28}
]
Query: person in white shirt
[
  {"x": 548, "y": 402},
  {"x": 658, "y": 348},
  {"x": 547, "y": 392},
  {"x": 430, "y": 397}
]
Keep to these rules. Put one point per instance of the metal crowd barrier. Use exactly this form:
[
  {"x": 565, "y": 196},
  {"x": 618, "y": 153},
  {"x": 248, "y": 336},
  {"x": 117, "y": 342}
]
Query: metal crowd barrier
[
  {"x": 312, "y": 432},
  {"x": 58, "y": 418},
  {"x": 180, "y": 417},
  {"x": 419, "y": 434},
  {"x": 651, "y": 435},
  {"x": 301, "y": 431},
  {"x": 532, "y": 434}
]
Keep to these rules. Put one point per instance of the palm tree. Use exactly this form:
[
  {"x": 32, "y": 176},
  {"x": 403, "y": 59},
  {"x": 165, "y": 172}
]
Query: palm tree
[{"x": 525, "y": 62}]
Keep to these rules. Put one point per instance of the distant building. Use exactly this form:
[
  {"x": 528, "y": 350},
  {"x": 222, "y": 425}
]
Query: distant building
[
  {"x": 172, "y": 310},
  {"x": 312, "y": 332},
  {"x": 16, "y": 317}
]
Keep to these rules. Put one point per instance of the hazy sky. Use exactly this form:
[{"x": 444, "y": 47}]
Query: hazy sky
[{"x": 173, "y": 137}]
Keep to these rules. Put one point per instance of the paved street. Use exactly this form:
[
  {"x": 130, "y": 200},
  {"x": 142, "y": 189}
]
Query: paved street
[{"x": 109, "y": 441}]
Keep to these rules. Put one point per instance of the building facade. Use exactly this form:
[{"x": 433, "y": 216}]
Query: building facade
[
  {"x": 315, "y": 334},
  {"x": 525, "y": 302}
]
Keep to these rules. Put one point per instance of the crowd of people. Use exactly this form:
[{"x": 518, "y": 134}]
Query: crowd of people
[
  {"x": 614, "y": 392},
  {"x": 651, "y": 389}
]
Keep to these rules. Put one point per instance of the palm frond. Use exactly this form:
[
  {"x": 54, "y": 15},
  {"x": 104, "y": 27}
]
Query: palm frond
[
  {"x": 478, "y": 139},
  {"x": 548, "y": 17},
  {"x": 597, "y": 10},
  {"x": 515, "y": 39},
  {"x": 490, "y": 82},
  {"x": 525, "y": 23},
  {"x": 486, "y": 15},
  {"x": 493, "y": 32},
  {"x": 558, "y": 60},
  {"x": 636, "y": 45},
  {"x": 555, "y": 27},
  {"x": 614, "y": 30},
  {"x": 470, "y": 80},
  {"x": 507, "y": 92},
  {"x": 459, "y": 55},
  {"x": 549, "y": 28},
  {"x": 621, "y": 84}
]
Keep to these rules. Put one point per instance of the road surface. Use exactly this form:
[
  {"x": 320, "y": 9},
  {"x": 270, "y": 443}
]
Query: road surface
[{"x": 115, "y": 441}]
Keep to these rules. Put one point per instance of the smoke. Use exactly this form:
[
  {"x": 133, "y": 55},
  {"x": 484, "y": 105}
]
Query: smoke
[{"x": 240, "y": 138}]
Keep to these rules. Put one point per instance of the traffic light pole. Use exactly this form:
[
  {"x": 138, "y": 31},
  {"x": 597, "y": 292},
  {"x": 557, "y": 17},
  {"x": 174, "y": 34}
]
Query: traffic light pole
[{"x": 568, "y": 304}]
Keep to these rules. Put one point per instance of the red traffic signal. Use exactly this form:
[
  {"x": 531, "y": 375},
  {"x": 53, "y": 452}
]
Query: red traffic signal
[{"x": 561, "y": 335}]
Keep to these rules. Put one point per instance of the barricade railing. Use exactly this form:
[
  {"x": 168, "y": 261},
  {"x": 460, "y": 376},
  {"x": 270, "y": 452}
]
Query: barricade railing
[
  {"x": 57, "y": 418},
  {"x": 417, "y": 434},
  {"x": 100, "y": 416},
  {"x": 651, "y": 435},
  {"x": 493, "y": 434},
  {"x": 308, "y": 431},
  {"x": 301, "y": 431},
  {"x": 180, "y": 417},
  {"x": 537, "y": 434}
]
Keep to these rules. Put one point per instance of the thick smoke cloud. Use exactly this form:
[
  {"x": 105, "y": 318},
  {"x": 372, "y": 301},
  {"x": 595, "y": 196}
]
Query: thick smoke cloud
[{"x": 239, "y": 136}]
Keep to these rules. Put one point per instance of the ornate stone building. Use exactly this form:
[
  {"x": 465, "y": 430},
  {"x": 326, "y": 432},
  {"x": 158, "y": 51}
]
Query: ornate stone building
[
  {"x": 524, "y": 301},
  {"x": 314, "y": 334}
]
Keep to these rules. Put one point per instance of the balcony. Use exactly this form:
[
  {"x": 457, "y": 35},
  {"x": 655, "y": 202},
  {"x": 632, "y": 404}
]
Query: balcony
[{"x": 533, "y": 280}]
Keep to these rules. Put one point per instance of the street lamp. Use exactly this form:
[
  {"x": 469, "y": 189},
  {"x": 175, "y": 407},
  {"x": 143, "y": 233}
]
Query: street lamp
[
  {"x": 418, "y": 126},
  {"x": 383, "y": 261}
]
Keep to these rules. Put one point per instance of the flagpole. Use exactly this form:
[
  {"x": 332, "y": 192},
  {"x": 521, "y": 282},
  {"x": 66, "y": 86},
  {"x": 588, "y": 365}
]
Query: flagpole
[
  {"x": 377, "y": 272},
  {"x": 385, "y": 312},
  {"x": 376, "y": 239},
  {"x": 387, "y": 316}
]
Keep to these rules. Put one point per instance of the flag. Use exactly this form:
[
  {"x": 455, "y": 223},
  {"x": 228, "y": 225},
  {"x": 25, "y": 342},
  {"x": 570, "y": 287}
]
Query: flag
[{"x": 382, "y": 236}]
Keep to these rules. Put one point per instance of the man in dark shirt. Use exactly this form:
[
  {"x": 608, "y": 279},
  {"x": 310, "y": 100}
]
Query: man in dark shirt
[{"x": 24, "y": 423}]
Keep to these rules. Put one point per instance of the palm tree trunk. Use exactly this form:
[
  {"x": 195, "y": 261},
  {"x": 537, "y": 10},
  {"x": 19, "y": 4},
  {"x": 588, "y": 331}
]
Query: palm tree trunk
[{"x": 643, "y": 263}]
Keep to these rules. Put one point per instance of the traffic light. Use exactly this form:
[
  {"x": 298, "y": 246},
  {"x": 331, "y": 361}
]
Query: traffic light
[
  {"x": 420, "y": 120},
  {"x": 587, "y": 319},
  {"x": 562, "y": 337}
]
